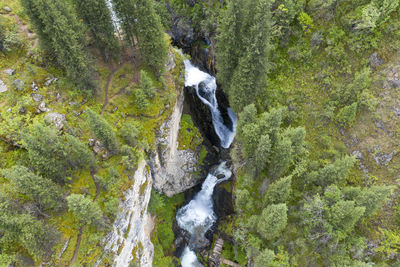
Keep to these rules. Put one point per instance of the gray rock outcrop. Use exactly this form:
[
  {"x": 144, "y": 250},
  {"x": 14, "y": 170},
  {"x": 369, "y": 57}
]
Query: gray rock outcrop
[
  {"x": 130, "y": 237},
  {"x": 10, "y": 72},
  {"x": 55, "y": 118},
  {"x": 19, "y": 84},
  {"x": 174, "y": 170},
  {"x": 375, "y": 60},
  {"x": 3, "y": 87}
]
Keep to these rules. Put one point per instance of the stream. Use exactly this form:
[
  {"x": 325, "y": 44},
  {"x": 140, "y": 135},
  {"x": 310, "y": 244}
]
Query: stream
[{"x": 198, "y": 216}]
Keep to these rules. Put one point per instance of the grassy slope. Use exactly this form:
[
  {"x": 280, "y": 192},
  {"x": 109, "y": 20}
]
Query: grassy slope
[{"x": 120, "y": 110}]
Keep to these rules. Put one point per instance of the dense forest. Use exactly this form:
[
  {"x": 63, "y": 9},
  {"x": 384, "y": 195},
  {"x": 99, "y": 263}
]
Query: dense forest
[{"x": 86, "y": 86}]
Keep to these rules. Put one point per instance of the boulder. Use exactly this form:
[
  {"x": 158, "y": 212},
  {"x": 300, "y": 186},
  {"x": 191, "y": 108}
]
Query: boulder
[
  {"x": 19, "y": 84},
  {"x": 3, "y": 87},
  {"x": 10, "y": 72},
  {"x": 55, "y": 118},
  {"x": 375, "y": 60},
  {"x": 7, "y": 9},
  {"x": 37, "y": 97},
  {"x": 34, "y": 87},
  {"x": 42, "y": 107}
]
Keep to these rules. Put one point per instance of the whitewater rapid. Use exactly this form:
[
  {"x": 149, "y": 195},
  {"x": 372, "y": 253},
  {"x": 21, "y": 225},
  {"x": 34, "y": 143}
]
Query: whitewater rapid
[
  {"x": 206, "y": 86},
  {"x": 198, "y": 215}
]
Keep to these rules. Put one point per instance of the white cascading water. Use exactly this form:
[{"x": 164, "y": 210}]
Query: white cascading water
[
  {"x": 194, "y": 77},
  {"x": 114, "y": 18},
  {"x": 198, "y": 216}
]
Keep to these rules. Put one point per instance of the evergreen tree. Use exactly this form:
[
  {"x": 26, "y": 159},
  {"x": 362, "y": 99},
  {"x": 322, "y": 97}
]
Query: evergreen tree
[
  {"x": 97, "y": 17},
  {"x": 147, "y": 84},
  {"x": 124, "y": 11},
  {"x": 55, "y": 156},
  {"x": 273, "y": 220},
  {"x": 279, "y": 191},
  {"x": 43, "y": 191},
  {"x": 264, "y": 258},
  {"x": 336, "y": 172},
  {"x": 250, "y": 75},
  {"x": 228, "y": 43},
  {"x": 373, "y": 198},
  {"x": 343, "y": 215},
  {"x": 282, "y": 157},
  {"x": 139, "y": 19},
  {"x": 262, "y": 153},
  {"x": 62, "y": 36},
  {"x": 18, "y": 228},
  {"x": 150, "y": 34},
  {"x": 84, "y": 209},
  {"x": 102, "y": 131}
]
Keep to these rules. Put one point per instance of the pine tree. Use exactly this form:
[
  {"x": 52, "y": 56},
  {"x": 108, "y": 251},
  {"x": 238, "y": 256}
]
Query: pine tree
[
  {"x": 228, "y": 43},
  {"x": 62, "y": 36},
  {"x": 102, "y": 131},
  {"x": 124, "y": 11},
  {"x": 150, "y": 34},
  {"x": 139, "y": 19},
  {"x": 264, "y": 258},
  {"x": 54, "y": 156},
  {"x": 278, "y": 192},
  {"x": 84, "y": 209},
  {"x": 97, "y": 17},
  {"x": 273, "y": 220},
  {"x": 44, "y": 192},
  {"x": 147, "y": 84},
  {"x": 250, "y": 75}
]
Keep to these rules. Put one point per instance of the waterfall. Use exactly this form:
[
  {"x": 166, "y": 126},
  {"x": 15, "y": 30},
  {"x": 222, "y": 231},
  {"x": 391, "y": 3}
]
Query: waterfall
[
  {"x": 114, "y": 18},
  {"x": 198, "y": 215},
  {"x": 206, "y": 87}
]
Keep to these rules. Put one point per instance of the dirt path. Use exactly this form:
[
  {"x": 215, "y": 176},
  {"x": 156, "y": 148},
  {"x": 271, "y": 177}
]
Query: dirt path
[
  {"x": 24, "y": 29},
  {"x": 78, "y": 244}
]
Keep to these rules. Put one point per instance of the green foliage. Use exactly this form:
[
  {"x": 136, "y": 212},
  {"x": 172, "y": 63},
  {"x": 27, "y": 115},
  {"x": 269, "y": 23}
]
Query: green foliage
[
  {"x": 343, "y": 215},
  {"x": 44, "y": 192},
  {"x": 147, "y": 84},
  {"x": 189, "y": 136},
  {"x": 102, "y": 131},
  {"x": 347, "y": 115},
  {"x": 20, "y": 228},
  {"x": 264, "y": 258},
  {"x": 279, "y": 191},
  {"x": 272, "y": 221},
  {"x": 150, "y": 34},
  {"x": 306, "y": 22},
  {"x": 334, "y": 173},
  {"x": 165, "y": 210},
  {"x": 9, "y": 36},
  {"x": 55, "y": 156},
  {"x": 63, "y": 37},
  {"x": 252, "y": 68},
  {"x": 140, "y": 99},
  {"x": 84, "y": 210},
  {"x": 229, "y": 43},
  {"x": 373, "y": 198},
  {"x": 139, "y": 19},
  {"x": 111, "y": 207},
  {"x": 242, "y": 58},
  {"x": 97, "y": 18},
  {"x": 129, "y": 133}
]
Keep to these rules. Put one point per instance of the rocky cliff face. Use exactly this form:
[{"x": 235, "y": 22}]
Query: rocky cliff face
[
  {"x": 130, "y": 238},
  {"x": 174, "y": 171}
]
